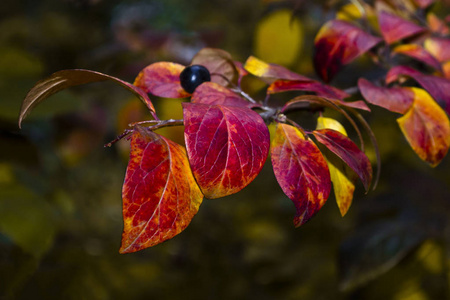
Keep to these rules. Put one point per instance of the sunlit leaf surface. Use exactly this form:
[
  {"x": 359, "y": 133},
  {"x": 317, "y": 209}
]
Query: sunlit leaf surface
[
  {"x": 227, "y": 146},
  {"x": 68, "y": 78},
  {"x": 160, "y": 195},
  {"x": 262, "y": 69},
  {"x": 394, "y": 28},
  {"x": 301, "y": 171},
  {"x": 438, "y": 47},
  {"x": 162, "y": 79},
  {"x": 396, "y": 99},
  {"x": 339, "y": 43},
  {"x": 427, "y": 128}
]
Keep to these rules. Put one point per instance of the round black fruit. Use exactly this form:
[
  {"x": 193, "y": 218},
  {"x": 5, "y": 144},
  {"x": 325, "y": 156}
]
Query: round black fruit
[{"x": 192, "y": 76}]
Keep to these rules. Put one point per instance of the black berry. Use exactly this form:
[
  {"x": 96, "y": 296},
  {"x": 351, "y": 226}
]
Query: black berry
[{"x": 192, "y": 76}]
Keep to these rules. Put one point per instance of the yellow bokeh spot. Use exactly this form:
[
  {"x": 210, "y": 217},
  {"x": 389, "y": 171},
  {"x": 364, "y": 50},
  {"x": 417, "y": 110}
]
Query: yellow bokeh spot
[{"x": 279, "y": 38}]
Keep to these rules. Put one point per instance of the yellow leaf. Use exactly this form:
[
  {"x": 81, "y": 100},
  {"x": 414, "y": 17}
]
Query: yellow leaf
[
  {"x": 342, "y": 176},
  {"x": 279, "y": 38},
  {"x": 426, "y": 128}
]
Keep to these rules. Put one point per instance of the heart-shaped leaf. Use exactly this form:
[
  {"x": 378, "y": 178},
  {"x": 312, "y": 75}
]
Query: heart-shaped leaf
[
  {"x": 68, "y": 78},
  {"x": 227, "y": 146},
  {"x": 344, "y": 147},
  {"x": 162, "y": 79},
  {"x": 339, "y": 43},
  {"x": 160, "y": 195},
  {"x": 301, "y": 171},
  {"x": 426, "y": 127}
]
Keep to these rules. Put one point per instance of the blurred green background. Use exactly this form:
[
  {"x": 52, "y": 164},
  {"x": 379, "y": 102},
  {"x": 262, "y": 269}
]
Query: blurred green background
[{"x": 60, "y": 190}]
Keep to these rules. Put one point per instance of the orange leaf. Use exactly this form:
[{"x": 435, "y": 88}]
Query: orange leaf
[
  {"x": 419, "y": 53},
  {"x": 160, "y": 195},
  {"x": 301, "y": 171},
  {"x": 426, "y": 127}
]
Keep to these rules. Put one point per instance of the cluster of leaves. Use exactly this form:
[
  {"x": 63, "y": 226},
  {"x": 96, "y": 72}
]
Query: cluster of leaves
[{"x": 227, "y": 139}]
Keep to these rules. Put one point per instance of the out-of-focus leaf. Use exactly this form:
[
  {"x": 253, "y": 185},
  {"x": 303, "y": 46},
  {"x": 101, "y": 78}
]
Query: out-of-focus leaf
[
  {"x": 219, "y": 64},
  {"x": 437, "y": 25},
  {"x": 160, "y": 195},
  {"x": 342, "y": 177},
  {"x": 376, "y": 249},
  {"x": 338, "y": 43},
  {"x": 438, "y": 47},
  {"x": 344, "y": 147},
  {"x": 227, "y": 146},
  {"x": 213, "y": 93},
  {"x": 426, "y": 127},
  {"x": 241, "y": 71},
  {"x": 283, "y": 30},
  {"x": 394, "y": 28},
  {"x": 424, "y": 3},
  {"x": 396, "y": 99},
  {"x": 301, "y": 171},
  {"x": 351, "y": 12},
  {"x": 446, "y": 69},
  {"x": 418, "y": 52},
  {"x": 27, "y": 219},
  {"x": 438, "y": 87},
  {"x": 311, "y": 86},
  {"x": 262, "y": 69},
  {"x": 162, "y": 79},
  {"x": 68, "y": 78}
]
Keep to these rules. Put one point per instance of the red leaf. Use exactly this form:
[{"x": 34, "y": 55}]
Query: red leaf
[
  {"x": 301, "y": 171},
  {"x": 227, "y": 146},
  {"x": 262, "y": 69},
  {"x": 68, "y": 78},
  {"x": 419, "y": 53},
  {"x": 394, "y": 28},
  {"x": 438, "y": 87},
  {"x": 160, "y": 195},
  {"x": 397, "y": 99},
  {"x": 339, "y": 43},
  {"x": 311, "y": 86},
  {"x": 162, "y": 79},
  {"x": 213, "y": 93},
  {"x": 219, "y": 63},
  {"x": 427, "y": 128},
  {"x": 344, "y": 147}
]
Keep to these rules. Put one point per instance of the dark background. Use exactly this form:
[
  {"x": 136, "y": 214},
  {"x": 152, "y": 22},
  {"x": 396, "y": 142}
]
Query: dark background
[{"x": 60, "y": 190}]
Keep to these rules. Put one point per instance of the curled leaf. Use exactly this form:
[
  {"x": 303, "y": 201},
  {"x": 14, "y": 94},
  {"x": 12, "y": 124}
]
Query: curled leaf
[
  {"x": 396, "y": 99},
  {"x": 68, "y": 78},
  {"x": 219, "y": 63},
  {"x": 426, "y": 127},
  {"x": 338, "y": 43},
  {"x": 227, "y": 146},
  {"x": 344, "y": 147},
  {"x": 162, "y": 79},
  {"x": 342, "y": 177},
  {"x": 301, "y": 171},
  {"x": 160, "y": 195}
]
